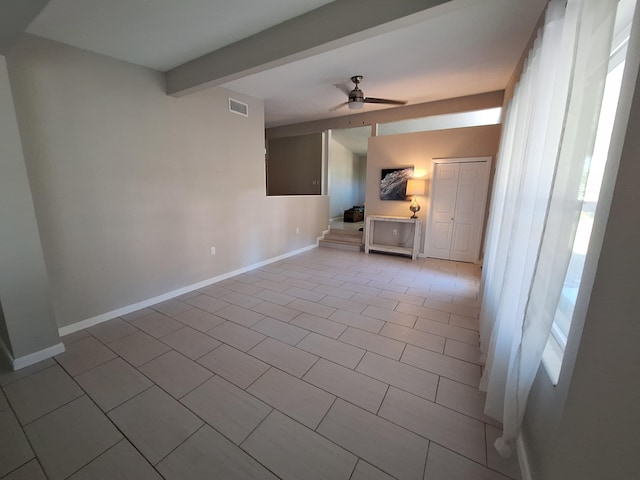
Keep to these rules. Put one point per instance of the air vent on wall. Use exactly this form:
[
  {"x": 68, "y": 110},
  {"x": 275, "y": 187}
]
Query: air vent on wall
[{"x": 238, "y": 107}]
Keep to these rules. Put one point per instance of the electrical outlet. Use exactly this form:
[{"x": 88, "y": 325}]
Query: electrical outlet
[
  {"x": 297, "y": 230},
  {"x": 213, "y": 250},
  {"x": 395, "y": 231}
]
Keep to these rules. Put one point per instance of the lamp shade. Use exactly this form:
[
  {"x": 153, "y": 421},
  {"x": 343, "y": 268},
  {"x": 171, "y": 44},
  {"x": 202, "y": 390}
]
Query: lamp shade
[{"x": 415, "y": 186}]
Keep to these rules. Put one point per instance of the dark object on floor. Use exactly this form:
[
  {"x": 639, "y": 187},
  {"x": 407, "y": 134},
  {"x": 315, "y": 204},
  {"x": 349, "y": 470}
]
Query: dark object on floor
[{"x": 354, "y": 214}]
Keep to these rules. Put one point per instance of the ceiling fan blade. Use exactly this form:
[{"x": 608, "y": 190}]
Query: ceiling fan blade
[
  {"x": 343, "y": 88},
  {"x": 384, "y": 100},
  {"x": 338, "y": 107}
]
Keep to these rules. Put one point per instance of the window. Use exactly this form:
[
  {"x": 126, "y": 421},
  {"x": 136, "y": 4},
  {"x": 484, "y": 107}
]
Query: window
[
  {"x": 589, "y": 193},
  {"x": 475, "y": 118}
]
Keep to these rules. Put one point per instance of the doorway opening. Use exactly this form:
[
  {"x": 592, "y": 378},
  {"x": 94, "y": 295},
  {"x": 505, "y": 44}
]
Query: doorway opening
[{"x": 346, "y": 176}]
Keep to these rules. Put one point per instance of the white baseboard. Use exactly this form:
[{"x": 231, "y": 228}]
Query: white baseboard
[
  {"x": 324, "y": 232},
  {"x": 103, "y": 317},
  {"x": 523, "y": 458},
  {"x": 30, "y": 359}
]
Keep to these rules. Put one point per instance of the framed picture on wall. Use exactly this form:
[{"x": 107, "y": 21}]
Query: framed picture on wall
[{"x": 393, "y": 183}]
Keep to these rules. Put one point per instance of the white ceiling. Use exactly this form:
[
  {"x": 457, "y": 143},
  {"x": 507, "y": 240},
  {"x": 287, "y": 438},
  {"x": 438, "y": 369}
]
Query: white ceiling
[
  {"x": 472, "y": 48},
  {"x": 161, "y": 34}
]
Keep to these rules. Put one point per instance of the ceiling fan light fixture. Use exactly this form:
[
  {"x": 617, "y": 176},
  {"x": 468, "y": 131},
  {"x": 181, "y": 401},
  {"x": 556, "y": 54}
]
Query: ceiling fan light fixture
[{"x": 356, "y": 98}]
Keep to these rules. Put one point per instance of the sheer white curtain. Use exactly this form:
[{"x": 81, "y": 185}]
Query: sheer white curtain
[{"x": 549, "y": 133}]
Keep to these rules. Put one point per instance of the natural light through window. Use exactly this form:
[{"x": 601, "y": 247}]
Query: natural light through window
[
  {"x": 593, "y": 173},
  {"x": 476, "y": 118}
]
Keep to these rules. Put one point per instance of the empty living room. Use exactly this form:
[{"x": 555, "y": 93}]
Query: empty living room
[{"x": 319, "y": 239}]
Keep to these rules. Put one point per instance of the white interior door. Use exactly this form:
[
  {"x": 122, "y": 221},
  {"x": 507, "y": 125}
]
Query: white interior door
[
  {"x": 444, "y": 189},
  {"x": 458, "y": 201}
]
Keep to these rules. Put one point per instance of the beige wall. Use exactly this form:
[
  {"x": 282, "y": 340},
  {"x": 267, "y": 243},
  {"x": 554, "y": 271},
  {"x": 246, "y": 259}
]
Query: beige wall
[
  {"x": 343, "y": 178},
  {"x": 458, "y": 144},
  {"x": 27, "y": 323},
  {"x": 295, "y": 165},
  {"x": 362, "y": 180},
  {"x": 132, "y": 187},
  {"x": 418, "y": 150}
]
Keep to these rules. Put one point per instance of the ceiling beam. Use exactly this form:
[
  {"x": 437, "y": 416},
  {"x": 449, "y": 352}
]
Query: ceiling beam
[
  {"x": 16, "y": 17},
  {"x": 468, "y": 103},
  {"x": 333, "y": 25}
]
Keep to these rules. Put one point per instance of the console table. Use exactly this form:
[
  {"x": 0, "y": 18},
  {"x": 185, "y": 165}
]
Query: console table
[{"x": 370, "y": 227}]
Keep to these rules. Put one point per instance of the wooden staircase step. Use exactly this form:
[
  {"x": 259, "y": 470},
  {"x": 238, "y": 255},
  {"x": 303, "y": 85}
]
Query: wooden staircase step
[
  {"x": 345, "y": 231},
  {"x": 344, "y": 238},
  {"x": 354, "y": 247}
]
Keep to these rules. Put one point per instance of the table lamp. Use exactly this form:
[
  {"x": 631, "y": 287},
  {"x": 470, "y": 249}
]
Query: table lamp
[{"x": 415, "y": 187}]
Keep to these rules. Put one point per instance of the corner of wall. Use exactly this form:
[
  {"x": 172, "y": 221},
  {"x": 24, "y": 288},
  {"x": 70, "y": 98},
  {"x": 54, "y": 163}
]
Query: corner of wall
[{"x": 17, "y": 363}]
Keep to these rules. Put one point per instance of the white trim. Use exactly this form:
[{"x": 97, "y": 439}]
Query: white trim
[
  {"x": 32, "y": 358},
  {"x": 324, "y": 172},
  {"x": 523, "y": 459},
  {"x": 103, "y": 317},
  {"x": 552, "y": 357},
  {"x": 324, "y": 232}
]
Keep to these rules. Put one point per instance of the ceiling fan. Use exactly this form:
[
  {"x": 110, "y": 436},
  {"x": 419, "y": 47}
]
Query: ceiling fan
[{"x": 357, "y": 98}]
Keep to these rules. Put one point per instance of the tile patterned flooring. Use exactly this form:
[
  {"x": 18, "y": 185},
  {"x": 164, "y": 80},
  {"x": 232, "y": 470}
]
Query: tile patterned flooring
[{"x": 326, "y": 365}]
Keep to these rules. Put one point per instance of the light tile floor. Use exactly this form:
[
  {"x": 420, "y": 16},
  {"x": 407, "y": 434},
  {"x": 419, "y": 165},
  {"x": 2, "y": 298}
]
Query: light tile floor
[{"x": 326, "y": 365}]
